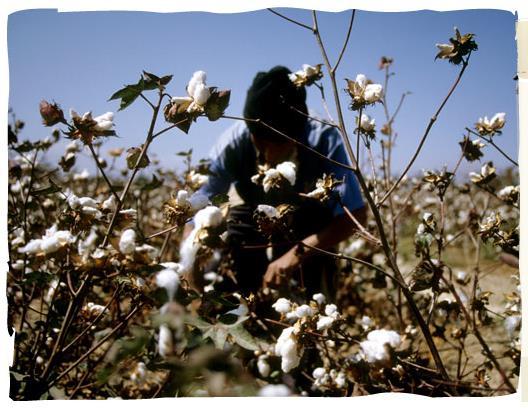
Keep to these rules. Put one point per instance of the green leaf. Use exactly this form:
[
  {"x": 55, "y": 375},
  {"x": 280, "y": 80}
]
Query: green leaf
[
  {"x": 228, "y": 318},
  {"x": 243, "y": 338},
  {"x": 197, "y": 322},
  {"x": 152, "y": 185},
  {"x": 218, "y": 334},
  {"x": 132, "y": 158},
  {"x": 129, "y": 94},
  {"x": 217, "y": 104},
  {"x": 52, "y": 188}
]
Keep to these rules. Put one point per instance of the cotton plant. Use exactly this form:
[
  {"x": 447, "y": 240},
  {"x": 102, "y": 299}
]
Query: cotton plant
[
  {"x": 363, "y": 92},
  {"x": 491, "y": 127},
  {"x": 200, "y": 100},
  {"x": 376, "y": 348},
  {"x": 52, "y": 241},
  {"x": 183, "y": 206},
  {"x": 307, "y": 75},
  {"x": 275, "y": 177}
]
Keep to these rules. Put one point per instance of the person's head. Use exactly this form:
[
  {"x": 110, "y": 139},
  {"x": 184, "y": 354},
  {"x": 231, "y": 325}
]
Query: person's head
[{"x": 276, "y": 101}]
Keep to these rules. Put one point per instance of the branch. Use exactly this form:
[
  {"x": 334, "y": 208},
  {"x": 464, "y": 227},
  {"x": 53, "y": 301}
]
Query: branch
[
  {"x": 96, "y": 159},
  {"x": 346, "y": 41},
  {"x": 291, "y": 139},
  {"x": 291, "y": 20},
  {"x": 426, "y": 133}
]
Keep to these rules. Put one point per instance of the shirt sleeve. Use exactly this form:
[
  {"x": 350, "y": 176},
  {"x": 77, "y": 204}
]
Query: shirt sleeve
[{"x": 349, "y": 190}]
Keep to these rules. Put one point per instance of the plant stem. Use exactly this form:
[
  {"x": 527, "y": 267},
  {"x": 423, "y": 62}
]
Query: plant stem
[{"x": 427, "y": 130}]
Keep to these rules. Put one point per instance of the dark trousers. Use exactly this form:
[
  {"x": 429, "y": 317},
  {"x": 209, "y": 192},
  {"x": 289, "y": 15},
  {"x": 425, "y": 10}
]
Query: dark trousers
[{"x": 248, "y": 252}]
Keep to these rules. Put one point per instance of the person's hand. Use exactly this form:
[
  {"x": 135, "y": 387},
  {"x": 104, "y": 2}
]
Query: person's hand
[{"x": 281, "y": 269}]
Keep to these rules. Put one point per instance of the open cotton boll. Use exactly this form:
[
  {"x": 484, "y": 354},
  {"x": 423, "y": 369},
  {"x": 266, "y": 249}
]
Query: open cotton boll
[
  {"x": 282, "y": 305},
  {"x": 208, "y": 217},
  {"x": 385, "y": 336},
  {"x": 73, "y": 201},
  {"x": 83, "y": 175},
  {"x": 275, "y": 390},
  {"x": 151, "y": 252},
  {"x": 110, "y": 203},
  {"x": 172, "y": 265},
  {"x": 32, "y": 247},
  {"x": 178, "y": 100},
  {"x": 264, "y": 368},
  {"x": 127, "y": 243},
  {"x": 104, "y": 121},
  {"x": 288, "y": 170},
  {"x": 188, "y": 250},
  {"x": 201, "y": 94},
  {"x": 169, "y": 280},
  {"x": 511, "y": 323},
  {"x": 324, "y": 322},
  {"x": 165, "y": 342},
  {"x": 140, "y": 373},
  {"x": 319, "y": 298},
  {"x": 87, "y": 202},
  {"x": 373, "y": 93},
  {"x": 287, "y": 348},
  {"x": 268, "y": 210},
  {"x": 53, "y": 240},
  {"x": 87, "y": 246},
  {"x": 331, "y": 310},
  {"x": 303, "y": 311},
  {"x": 199, "y": 77}
]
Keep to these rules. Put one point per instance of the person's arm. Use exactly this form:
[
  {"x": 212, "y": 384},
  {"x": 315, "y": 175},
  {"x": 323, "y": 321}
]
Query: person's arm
[{"x": 340, "y": 228}]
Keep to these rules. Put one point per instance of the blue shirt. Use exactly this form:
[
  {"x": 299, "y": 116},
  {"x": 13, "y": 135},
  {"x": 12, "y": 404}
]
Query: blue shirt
[{"x": 234, "y": 161}]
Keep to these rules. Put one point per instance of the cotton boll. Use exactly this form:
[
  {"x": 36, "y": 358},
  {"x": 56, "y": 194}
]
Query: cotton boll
[
  {"x": 82, "y": 176},
  {"x": 282, "y": 305},
  {"x": 87, "y": 246},
  {"x": 287, "y": 348},
  {"x": 303, "y": 311},
  {"x": 140, "y": 373},
  {"x": 199, "y": 77},
  {"x": 271, "y": 176},
  {"x": 263, "y": 366},
  {"x": 287, "y": 170},
  {"x": 73, "y": 201},
  {"x": 324, "y": 322},
  {"x": 385, "y": 336},
  {"x": 331, "y": 310},
  {"x": 150, "y": 251},
  {"x": 165, "y": 342},
  {"x": 32, "y": 247},
  {"x": 87, "y": 202},
  {"x": 179, "y": 100},
  {"x": 104, "y": 122},
  {"x": 127, "y": 243},
  {"x": 318, "y": 373},
  {"x": 366, "y": 322},
  {"x": 268, "y": 210},
  {"x": 169, "y": 280},
  {"x": 110, "y": 203},
  {"x": 172, "y": 265},
  {"x": 275, "y": 390},
  {"x": 201, "y": 94},
  {"x": 209, "y": 217},
  {"x": 374, "y": 351},
  {"x": 512, "y": 323},
  {"x": 319, "y": 298},
  {"x": 54, "y": 240},
  {"x": 188, "y": 251},
  {"x": 373, "y": 93}
]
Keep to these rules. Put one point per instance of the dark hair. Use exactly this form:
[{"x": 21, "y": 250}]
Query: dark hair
[{"x": 274, "y": 98}]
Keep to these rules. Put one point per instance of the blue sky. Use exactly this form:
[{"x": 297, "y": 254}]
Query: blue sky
[{"x": 80, "y": 59}]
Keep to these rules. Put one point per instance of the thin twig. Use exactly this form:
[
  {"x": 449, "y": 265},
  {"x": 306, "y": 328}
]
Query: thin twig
[
  {"x": 346, "y": 41},
  {"x": 426, "y": 133},
  {"x": 291, "y": 20}
]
